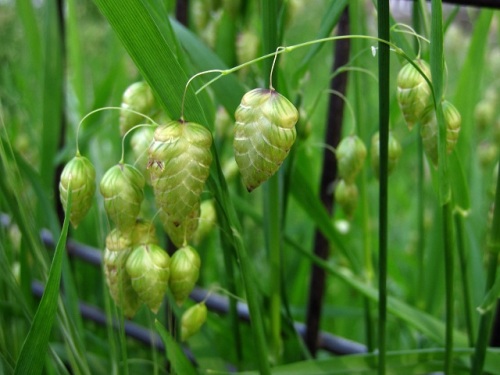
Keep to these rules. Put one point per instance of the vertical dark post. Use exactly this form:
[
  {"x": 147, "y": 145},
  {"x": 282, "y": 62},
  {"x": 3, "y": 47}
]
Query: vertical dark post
[
  {"x": 181, "y": 11},
  {"x": 329, "y": 173}
]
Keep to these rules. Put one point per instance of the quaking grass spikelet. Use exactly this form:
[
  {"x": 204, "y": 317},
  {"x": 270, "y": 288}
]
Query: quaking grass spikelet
[
  {"x": 184, "y": 273},
  {"x": 179, "y": 163},
  {"x": 192, "y": 320},
  {"x": 263, "y": 135},
  {"x": 139, "y": 98},
  {"x": 122, "y": 188},
  {"x": 80, "y": 174},
  {"x": 148, "y": 268},
  {"x": 414, "y": 93},
  {"x": 346, "y": 195},
  {"x": 351, "y": 154}
]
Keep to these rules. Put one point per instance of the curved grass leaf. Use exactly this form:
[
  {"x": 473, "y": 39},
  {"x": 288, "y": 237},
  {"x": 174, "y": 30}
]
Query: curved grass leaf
[
  {"x": 34, "y": 350},
  {"x": 173, "y": 351}
]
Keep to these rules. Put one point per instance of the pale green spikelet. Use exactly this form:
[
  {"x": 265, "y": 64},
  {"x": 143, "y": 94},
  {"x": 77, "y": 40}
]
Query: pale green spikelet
[
  {"x": 184, "y": 272},
  {"x": 122, "y": 188},
  {"x": 139, "y": 98},
  {"x": 429, "y": 130},
  {"x": 80, "y": 173},
  {"x": 148, "y": 268},
  {"x": 207, "y": 221},
  {"x": 192, "y": 320},
  {"x": 351, "y": 154},
  {"x": 179, "y": 163},
  {"x": 414, "y": 93},
  {"x": 180, "y": 232},
  {"x": 394, "y": 152},
  {"x": 140, "y": 141},
  {"x": 346, "y": 195},
  {"x": 264, "y": 134}
]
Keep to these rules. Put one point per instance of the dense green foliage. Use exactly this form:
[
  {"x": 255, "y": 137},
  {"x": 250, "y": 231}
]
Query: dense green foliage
[{"x": 433, "y": 217}]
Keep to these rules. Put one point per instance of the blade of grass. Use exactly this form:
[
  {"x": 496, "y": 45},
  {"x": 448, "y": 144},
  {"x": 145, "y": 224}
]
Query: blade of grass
[
  {"x": 34, "y": 351},
  {"x": 384, "y": 104},
  {"x": 174, "y": 353}
]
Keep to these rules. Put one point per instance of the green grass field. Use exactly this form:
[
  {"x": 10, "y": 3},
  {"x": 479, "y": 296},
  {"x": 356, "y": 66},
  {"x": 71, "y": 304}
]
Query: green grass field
[{"x": 395, "y": 274}]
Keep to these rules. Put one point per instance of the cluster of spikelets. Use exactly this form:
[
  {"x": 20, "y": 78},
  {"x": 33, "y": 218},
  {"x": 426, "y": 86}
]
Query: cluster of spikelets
[
  {"x": 175, "y": 160},
  {"x": 415, "y": 100}
]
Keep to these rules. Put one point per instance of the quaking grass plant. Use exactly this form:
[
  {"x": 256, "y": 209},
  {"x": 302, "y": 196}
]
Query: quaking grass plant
[{"x": 174, "y": 167}]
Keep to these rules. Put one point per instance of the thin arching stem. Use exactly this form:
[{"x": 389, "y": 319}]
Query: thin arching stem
[
  {"x": 122, "y": 160},
  {"x": 104, "y": 109},
  {"x": 349, "y": 106},
  {"x": 189, "y": 81}
]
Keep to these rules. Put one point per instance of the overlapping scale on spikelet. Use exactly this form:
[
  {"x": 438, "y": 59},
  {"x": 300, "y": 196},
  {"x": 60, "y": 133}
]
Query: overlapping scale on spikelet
[
  {"x": 148, "y": 268},
  {"x": 346, "y": 195},
  {"x": 413, "y": 93},
  {"x": 80, "y": 172},
  {"x": 179, "y": 233},
  {"x": 179, "y": 163},
  {"x": 122, "y": 188},
  {"x": 264, "y": 133},
  {"x": 351, "y": 155},
  {"x": 184, "y": 272},
  {"x": 429, "y": 130}
]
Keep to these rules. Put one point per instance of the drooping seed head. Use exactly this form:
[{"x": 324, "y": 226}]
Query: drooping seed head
[
  {"x": 184, "y": 272},
  {"x": 394, "y": 152},
  {"x": 140, "y": 141},
  {"x": 264, "y": 133},
  {"x": 148, "y": 268},
  {"x": 179, "y": 162},
  {"x": 484, "y": 114},
  {"x": 137, "y": 97},
  {"x": 80, "y": 174},
  {"x": 453, "y": 122},
  {"x": 351, "y": 154},
  {"x": 414, "y": 93},
  {"x": 207, "y": 221},
  {"x": 346, "y": 195},
  {"x": 122, "y": 188},
  {"x": 192, "y": 320},
  {"x": 180, "y": 232}
]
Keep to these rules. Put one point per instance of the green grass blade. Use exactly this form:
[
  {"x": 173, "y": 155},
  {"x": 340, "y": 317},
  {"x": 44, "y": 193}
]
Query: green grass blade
[
  {"x": 459, "y": 188},
  {"x": 34, "y": 351},
  {"x": 153, "y": 56},
  {"x": 52, "y": 94},
  {"x": 174, "y": 353}
]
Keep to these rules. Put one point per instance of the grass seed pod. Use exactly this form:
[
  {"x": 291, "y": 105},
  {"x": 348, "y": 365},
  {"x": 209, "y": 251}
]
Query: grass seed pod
[
  {"x": 184, "y": 273},
  {"x": 117, "y": 240},
  {"x": 413, "y": 92},
  {"x": 192, "y": 320},
  {"x": 119, "y": 282},
  {"x": 484, "y": 114},
  {"x": 137, "y": 97},
  {"x": 144, "y": 233},
  {"x": 351, "y": 154},
  {"x": 346, "y": 195},
  {"x": 179, "y": 163},
  {"x": 395, "y": 151},
  {"x": 180, "y": 233},
  {"x": 264, "y": 133},
  {"x": 207, "y": 221},
  {"x": 148, "y": 268},
  {"x": 81, "y": 174},
  {"x": 429, "y": 130},
  {"x": 122, "y": 188}
]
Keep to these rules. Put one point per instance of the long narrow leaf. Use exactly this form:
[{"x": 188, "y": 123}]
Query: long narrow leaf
[{"x": 34, "y": 350}]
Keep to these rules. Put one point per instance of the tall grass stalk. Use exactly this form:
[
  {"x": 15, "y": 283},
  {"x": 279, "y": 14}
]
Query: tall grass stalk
[
  {"x": 384, "y": 103},
  {"x": 272, "y": 192},
  {"x": 485, "y": 322}
]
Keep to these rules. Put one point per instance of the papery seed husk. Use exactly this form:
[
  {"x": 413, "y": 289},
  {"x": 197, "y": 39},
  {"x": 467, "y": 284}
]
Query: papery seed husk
[
  {"x": 184, "y": 273},
  {"x": 122, "y": 188},
  {"x": 119, "y": 282},
  {"x": 80, "y": 172},
  {"x": 179, "y": 160},
  {"x": 137, "y": 97},
  {"x": 142, "y": 233},
  {"x": 206, "y": 222},
  {"x": 346, "y": 195},
  {"x": 192, "y": 320},
  {"x": 394, "y": 152},
  {"x": 264, "y": 134},
  {"x": 180, "y": 232},
  {"x": 453, "y": 122},
  {"x": 148, "y": 268},
  {"x": 351, "y": 154},
  {"x": 413, "y": 92}
]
